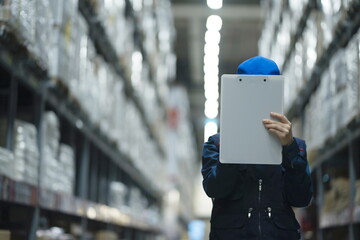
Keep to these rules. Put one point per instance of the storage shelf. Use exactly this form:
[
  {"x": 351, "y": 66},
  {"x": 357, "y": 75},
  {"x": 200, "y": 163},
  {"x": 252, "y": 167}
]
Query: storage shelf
[
  {"x": 22, "y": 193},
  {"x": 356, "y": 214},
  {"x": 103, "y": 44},
  {"x": 335, "y": 219},
  {"x": 298, "y": 33},
  {"x": 18, "y": 192},
  {"x": 25, "y": 67},
  {"x": 343, "y": 138},
  {"x": 343, "y": 34}
]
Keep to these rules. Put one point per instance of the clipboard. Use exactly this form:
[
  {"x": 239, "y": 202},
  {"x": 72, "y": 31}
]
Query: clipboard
[{"x": 245, "y": 101}]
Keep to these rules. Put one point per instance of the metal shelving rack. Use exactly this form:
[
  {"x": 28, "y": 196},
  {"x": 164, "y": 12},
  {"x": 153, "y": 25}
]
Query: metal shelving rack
[
  {"x": 341, "y": 151},
  {"x": 21, "y": 70}
]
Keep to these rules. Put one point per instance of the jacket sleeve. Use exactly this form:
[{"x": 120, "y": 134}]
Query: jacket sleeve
[
  {"x": 298, "y": 186},
  {"x": 218, "y": 179}
]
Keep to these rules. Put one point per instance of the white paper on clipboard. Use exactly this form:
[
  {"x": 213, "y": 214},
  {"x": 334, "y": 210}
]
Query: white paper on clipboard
[{"x": 245, "y": 101}]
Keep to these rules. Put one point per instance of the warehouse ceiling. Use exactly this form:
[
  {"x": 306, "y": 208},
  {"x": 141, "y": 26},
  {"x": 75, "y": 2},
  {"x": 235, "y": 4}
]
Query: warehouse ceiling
[{"x": 242, "y": 24}]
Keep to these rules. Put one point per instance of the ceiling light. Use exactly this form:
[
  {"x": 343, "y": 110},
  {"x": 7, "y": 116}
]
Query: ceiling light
[
  {"x": 214, "y": 23},
  {"x": 211, "y": 94},
  {"x": 211, "y": 113},
  {"x": 211, "y": 128},
  {"x": 214, "y": 4},
  {"x": 211, "y": 60},
  {"x": 211, "y": 79},
  {"x": 212, "y": 37},
  {"x": 211, "y": 108},
  {"x": 211, "y": 70},
  {"x": 211, "y": 49}
]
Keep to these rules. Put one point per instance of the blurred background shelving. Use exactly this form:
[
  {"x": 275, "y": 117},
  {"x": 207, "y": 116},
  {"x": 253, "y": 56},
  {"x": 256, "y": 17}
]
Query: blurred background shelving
[
  {"x": 319, "y": 53},
  {"x": 102, "y": 114},
  {"x": 84, "y": 124}
]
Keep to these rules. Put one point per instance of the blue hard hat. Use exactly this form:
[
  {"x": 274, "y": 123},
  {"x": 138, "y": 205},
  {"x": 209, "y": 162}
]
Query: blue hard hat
[{"x": 258, "y": 66}]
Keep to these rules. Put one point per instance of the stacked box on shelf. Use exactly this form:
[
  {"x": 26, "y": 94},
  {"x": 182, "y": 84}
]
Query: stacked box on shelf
[
  {"x": 117, "y": 194},
  {"x": 181, "y": 145},
  {"x": 66, "y": 162},
  {"x": 44, "y": 21},
  {"x": 331, "y": 11},
  {"x": 296, "y": 9},
  {"x": 137, "y": 203},
  {"x": 148, "y": 28},
  {"x": 346, "y": 88},
  {"x": 20, "y": 15},
  {"x": 119, "y": 29},
  {"x": 57, "y": 168},
  {"x": 144, "y": 88},
  {"x": 104, "y": 94},
  {"x": 139, "y": 208},
  {"x": 50, "y": 168},
  {"x": 337, "y": 198},
  {"x": 166, "y": 59},
  {"x": 106, "y": 235},
  {"x": 338, "y": 93},
  {"x": 80, "y": 59},
  {"x": 112, "y": 15},
  {"x": 6, "y": 161},
  {"x": 63, "y": 41},
  {"x": 26, "y": 153},
  {"x": 290, "y": 80},
  {"x": 266, "y": 42},
  {"x": 311, "y": 44},
  {"x": 118, "y": 116},
  {"x": 352, "y": 53}
]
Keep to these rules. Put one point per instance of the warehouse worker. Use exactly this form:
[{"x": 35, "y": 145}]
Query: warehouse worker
[{"x": 254, "y": 201}]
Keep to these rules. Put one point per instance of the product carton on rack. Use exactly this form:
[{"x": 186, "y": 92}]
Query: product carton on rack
[
  {"x": 20, "y": 15},
  {"x": 5, "y": 235},
  {"x": 50, "y": 145},
  {"x": 26, "y": 153},
  {"x": 6, "y": 161},
  {"x": 310, "y": 38},
  {"x": 337, "y": 198},
  {"x": 331, "y": 13},
  {"x": 106, "y": 235},
  {"x": 353, "y": 77},
  {"x": 117, "y": 194},
  {"x": 62, "y": 54},
  {"x": 67, "y": 169},
  {"x": 44, "y": 21}
]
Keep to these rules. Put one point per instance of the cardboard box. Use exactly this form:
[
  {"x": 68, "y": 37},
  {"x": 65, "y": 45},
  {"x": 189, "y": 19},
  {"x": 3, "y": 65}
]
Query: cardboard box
[{"x": 4, "y": 235}]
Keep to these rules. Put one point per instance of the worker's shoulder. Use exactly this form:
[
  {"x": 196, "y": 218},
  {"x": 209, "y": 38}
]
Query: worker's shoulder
[
  {"x": 300, "y": 142},
  {"x": 214, "y": 138},
  {"x": 217, "y": 135}
]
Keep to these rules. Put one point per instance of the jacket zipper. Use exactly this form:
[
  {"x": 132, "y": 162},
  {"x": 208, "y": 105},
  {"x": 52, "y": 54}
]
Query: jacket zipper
[{"x": 260, "y": 188}]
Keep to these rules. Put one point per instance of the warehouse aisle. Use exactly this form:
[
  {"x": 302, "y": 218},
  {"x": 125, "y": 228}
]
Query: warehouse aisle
[{"x": 105, "y": 105}]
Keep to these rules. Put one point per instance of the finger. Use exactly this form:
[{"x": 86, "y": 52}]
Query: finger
[
  {"x": 276, "y": 132},
  {"x": 266, "y": 121},
  {"x": 282, "y": 118},
  {"x": 277, "y": 127},
  {"x": 283, "y": 125}
]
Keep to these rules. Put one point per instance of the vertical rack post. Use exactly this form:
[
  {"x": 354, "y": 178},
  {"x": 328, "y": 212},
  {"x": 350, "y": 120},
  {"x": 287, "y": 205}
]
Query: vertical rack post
[
  {"x": 84, "y": 169},
  {"x": 352, "y": 179},
  {"x": 83, "y": 180},
  {"x": 12, "y": 109},
  {"x": 39, "y": 112}
]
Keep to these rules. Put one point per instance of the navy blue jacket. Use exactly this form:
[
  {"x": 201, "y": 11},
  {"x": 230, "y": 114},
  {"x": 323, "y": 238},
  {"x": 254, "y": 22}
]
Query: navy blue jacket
[{"x": 254, "y": 201}]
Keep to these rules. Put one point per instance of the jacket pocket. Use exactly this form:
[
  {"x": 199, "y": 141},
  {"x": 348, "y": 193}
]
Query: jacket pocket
[
  {"x": 227, "y": 227},
  {"x": 287, "y": 227},
  {"x": 228, "y": 221},
  {"x": 286, "y": 222}
]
